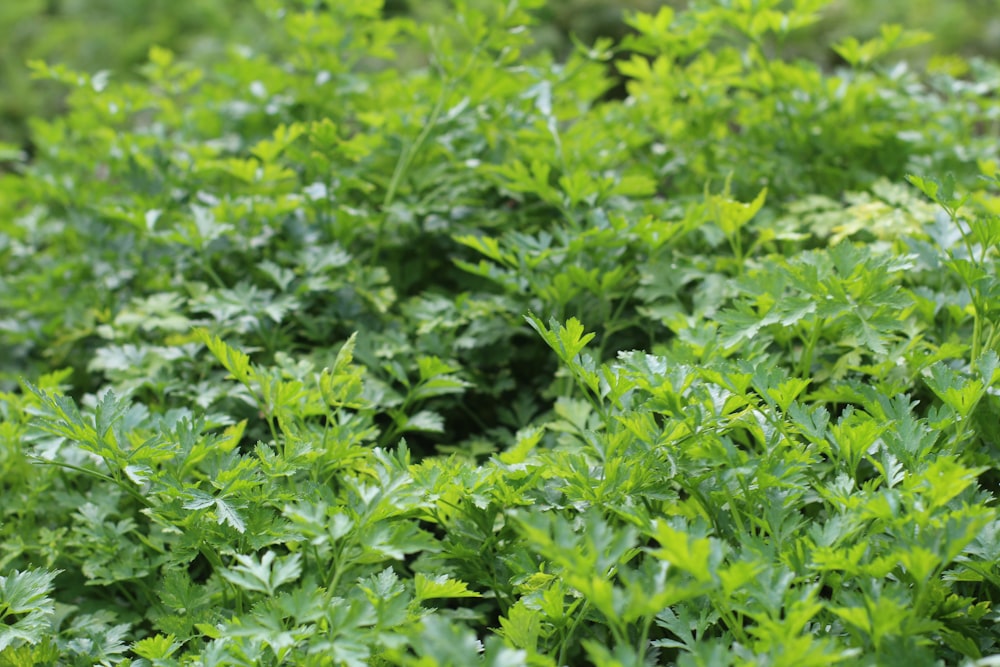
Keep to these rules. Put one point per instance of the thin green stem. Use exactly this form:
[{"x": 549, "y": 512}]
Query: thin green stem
[
  {"x": 977, "y": 330},
  {"x": 206, "y": 265},
  {"x": 339, "y": 568},
  {"x": 138, "y": 497},
  {"x": 809, "y": 349},
  {"x": 272, "y": 427},
  {"x": 409, "y": 153},
  {"x": 732, "y": 621},
  {"x": 127, "y": 592},
  {"x": 612, "y": 320},
  {"x": 581, "y": 613},
  {"x": 647, "y": 623},
  {"x": 406, "y": 157}
]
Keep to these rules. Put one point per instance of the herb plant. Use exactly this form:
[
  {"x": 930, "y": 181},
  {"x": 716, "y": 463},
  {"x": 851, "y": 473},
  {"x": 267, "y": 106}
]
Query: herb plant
[{"x": 321, "y": 356}]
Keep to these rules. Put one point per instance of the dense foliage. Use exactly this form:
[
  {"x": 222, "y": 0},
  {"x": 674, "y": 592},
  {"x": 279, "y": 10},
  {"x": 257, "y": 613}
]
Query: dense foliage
[
  {"x": 115, "y": 35},
  {"x": 317, "y": 357}
]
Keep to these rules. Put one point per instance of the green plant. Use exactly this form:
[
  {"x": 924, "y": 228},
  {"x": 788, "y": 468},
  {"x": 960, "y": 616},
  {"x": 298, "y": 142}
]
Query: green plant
[{"x": 320, "y": 357}]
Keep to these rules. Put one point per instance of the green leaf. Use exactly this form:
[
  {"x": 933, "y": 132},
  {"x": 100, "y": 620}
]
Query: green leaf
[
  {"x": 731, "y": 215},
  {"x": 941, "y": 192},
  {"x": 265, "y": 575},
  {"x": 25, "y": 607},
  {"x": 687, "y": 553},
  {"x": 442, "y": 586},
  {"x": 566, "y": 340},
  {"x": 233, "y": 360},
  {"x": 521, "y": 626},
  {"x": 157, "y": 647},
  {"x": 959, "y": 393},
  {"x": 108, "y": 412},
  {"x": 425, "y": 421}
]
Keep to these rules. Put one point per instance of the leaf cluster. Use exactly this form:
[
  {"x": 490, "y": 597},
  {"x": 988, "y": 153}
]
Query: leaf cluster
[{"x": 318, "y": 357}]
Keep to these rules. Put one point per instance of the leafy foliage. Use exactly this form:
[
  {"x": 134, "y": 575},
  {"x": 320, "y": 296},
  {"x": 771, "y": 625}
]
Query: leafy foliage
[{"x": 318, "y": 357}]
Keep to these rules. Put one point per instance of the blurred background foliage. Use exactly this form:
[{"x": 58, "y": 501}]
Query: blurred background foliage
[{"x": 92, "y": 35}]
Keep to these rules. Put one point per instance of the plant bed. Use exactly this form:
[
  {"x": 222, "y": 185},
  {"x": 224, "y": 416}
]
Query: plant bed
[{"x": 313, "y": 357}]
